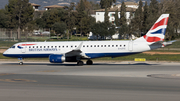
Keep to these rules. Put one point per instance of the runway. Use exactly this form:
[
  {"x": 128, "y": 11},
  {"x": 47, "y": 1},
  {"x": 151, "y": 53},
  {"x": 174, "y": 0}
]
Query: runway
[{"x": 112, "y": 81}]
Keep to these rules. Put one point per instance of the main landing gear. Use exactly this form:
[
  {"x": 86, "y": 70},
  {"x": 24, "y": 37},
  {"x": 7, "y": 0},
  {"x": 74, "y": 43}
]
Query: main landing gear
[
  {"x": 88, "y": 62},
  {"x": 20, "y": 61}
]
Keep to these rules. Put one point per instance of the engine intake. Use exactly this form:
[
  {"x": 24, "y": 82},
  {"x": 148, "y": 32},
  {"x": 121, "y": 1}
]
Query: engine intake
[{"x": 54, "y": 58}]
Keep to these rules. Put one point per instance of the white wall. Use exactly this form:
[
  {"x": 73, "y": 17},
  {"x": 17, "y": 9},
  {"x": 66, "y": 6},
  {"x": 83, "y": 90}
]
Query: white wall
[{"x": 100, "y": 16}]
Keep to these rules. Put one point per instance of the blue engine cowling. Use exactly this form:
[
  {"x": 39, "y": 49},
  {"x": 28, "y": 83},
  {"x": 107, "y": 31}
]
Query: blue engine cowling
[{"x": 54, "y": 58}]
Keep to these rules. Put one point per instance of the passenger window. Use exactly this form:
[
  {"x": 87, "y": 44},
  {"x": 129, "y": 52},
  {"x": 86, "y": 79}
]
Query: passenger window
[
  {"x": 33, "y": 46},
  {"x": 97, "y": 45},
  {"x": 104, "y": 45},
  {"x": 75, "y": 46},
  {"x": 63, "y": 46},
  {"x": 51, "y": 46},
  {"x": 124, "y": 45},
  {"x": 36, "y": 46},
  {"x": 91, "y": 45},
  {"x": 71, "y": 46},
  {"x": 48, "y": 47},
  {"x": 83, "y": 45},
  {"x": 59, "y": 46},
  {"x": 94, "y": 45},
  {"x": 87, "y": 46},
  {"x": 116, "y": 45},
  {"x": 108, "y": 45},
  {"x": 112, "y": 45},
  {"x": 55, "y": 46},
  {"x": 120, "y": 45},
  {"x": 29, "y": 46},
  {"x": 44, "y": 46},
  {"x": 40, "y": 46},
  {"x": 101, "y": 45}
]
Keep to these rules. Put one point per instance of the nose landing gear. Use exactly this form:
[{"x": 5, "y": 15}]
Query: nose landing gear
[{"x": 20, "y": 61}]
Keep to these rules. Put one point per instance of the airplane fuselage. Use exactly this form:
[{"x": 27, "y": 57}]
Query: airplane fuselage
[{"x": 92, "y": 49}]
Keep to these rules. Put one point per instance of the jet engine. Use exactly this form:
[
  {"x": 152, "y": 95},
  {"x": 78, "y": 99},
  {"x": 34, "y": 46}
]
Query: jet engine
[{"x": 54, "y": 58}]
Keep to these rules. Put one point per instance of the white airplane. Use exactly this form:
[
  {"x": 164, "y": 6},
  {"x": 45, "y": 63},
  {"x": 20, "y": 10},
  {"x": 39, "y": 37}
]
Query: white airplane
[{"x": 75, "y": 51}]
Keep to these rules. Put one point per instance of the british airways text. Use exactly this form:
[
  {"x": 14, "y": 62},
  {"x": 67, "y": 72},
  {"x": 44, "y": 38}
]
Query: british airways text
[{"x": 45, "y": 49}]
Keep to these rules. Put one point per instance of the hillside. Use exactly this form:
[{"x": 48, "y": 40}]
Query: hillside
[{"x": 60, "y": 2}]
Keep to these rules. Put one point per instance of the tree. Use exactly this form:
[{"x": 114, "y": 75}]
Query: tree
[
  {"x": 153, "y": 13},
  {"x": 122, "y": 14},
  {"x": 145, "y": 14},
  {"x": 40, "y": 23},
  {"x": 83, "y": 18},
  {"x": 116, "y": 18},
  {"x": 59, "y": 28},
  {"x": 20, "y": 12},
  {"x": 106, "y": 3},
  {"x": 122, "y": 22},
  {"x": 123, "y": 30},
  {"x": 106, "y": 17},
  {"x": 103, "y": 29},
  {"x": 52, "y": 16},
  {"x": 171, "y": 7},
  {"x": 70, "y": 19},
  {"x": 3, "y": 19},
  {"x": 138, "y": 20}
]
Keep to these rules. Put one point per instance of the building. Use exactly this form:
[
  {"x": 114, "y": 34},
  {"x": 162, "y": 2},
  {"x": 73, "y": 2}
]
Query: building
[
  {"x": 130, "y": 7},
  {"x": 35, "y": 6},
  {"x": 129, "y": 4},
  {"x": 53, "y": 6}
]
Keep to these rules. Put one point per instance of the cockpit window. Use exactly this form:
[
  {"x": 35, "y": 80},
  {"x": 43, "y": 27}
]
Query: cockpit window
[{"x": 12, "y": 47}]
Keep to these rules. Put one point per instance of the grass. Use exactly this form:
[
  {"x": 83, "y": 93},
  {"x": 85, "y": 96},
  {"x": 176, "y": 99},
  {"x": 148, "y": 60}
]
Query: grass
[
  {"x": 41, "y": 39},
  {"x": 73, "y": 38},
  {"x": 155, "y": 57},
  {"x": 175, "y": 45}
]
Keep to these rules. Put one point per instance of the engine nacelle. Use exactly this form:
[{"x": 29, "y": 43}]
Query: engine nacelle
[{"x": 54, "y": 58}]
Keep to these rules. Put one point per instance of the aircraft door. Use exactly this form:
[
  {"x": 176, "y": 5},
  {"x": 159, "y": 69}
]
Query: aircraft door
[
  {"x": 130, "y": 46},
  {"x": 23, "y": 50}
]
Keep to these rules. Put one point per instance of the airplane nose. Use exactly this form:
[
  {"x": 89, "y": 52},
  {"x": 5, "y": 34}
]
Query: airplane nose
[{"x": 5, "y": 53}]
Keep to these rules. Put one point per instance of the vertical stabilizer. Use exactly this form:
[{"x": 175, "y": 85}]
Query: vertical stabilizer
[{"x": 157, "y": 31}]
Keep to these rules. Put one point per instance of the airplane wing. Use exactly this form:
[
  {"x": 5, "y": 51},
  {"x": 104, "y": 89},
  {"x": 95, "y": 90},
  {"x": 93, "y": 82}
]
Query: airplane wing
[
  {"x": 77, "y": 52},
  {"x": 168, "y": 43},
  {"x": 162, "y": 43}
]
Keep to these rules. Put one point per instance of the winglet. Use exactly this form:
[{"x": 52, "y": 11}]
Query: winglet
[{"x": 79, "y": 47}]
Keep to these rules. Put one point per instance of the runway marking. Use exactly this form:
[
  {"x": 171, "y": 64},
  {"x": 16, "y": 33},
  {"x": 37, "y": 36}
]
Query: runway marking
[
  {"x": 165, "y": 76},
  {"x": 17, "y": 80}
]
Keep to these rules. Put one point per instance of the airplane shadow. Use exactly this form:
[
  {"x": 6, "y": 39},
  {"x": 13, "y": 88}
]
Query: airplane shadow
[{"x": 66, "y": 64}]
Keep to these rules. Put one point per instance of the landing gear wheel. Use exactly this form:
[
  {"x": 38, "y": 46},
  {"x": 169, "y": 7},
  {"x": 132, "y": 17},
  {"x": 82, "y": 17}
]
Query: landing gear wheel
[
  {"x": 89, "y": 62},
  {"x": 20, "y": 63},
  {"x": 80, "y": 63}
]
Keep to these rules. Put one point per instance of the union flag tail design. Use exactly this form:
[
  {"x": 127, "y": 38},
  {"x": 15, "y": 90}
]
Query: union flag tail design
[{"x": 158, "y": 30}]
